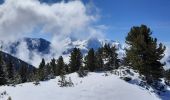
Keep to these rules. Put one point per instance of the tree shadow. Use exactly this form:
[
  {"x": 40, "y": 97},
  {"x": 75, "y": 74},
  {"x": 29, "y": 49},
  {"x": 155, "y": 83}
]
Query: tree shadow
[{"x": 165, "y": 95}]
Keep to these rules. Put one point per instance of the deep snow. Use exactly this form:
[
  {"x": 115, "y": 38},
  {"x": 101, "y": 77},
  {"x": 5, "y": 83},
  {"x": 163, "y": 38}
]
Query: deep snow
[{"x": 96, "y": 86}]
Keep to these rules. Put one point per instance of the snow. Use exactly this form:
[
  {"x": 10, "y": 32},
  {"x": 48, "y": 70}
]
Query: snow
[{"x": 96, "y": 86}]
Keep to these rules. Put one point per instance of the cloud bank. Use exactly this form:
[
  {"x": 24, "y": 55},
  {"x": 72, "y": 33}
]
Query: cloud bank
[{"x": 20, "y": 18}]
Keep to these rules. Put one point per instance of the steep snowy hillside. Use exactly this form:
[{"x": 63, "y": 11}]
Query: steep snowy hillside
[
  {"x": 96, "y": 86},
  {"x": 17, "y": 63}
]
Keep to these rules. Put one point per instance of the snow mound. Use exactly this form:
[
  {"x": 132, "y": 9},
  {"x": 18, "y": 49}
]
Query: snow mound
[{"x": 96, "y": 86}]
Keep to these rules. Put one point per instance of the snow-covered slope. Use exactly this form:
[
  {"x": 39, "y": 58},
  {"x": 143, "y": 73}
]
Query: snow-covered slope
[{"x": 96, "y": 86}]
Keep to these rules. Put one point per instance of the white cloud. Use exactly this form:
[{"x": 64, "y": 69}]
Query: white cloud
[{"x": 19, "y": 18}]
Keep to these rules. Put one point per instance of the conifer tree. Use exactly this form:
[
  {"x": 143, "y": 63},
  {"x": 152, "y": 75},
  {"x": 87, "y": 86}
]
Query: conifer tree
[
  {"x": 50, "y": 71},
  {"x": 2, "y": 73},
  {"x": 75, "y": 60},
  {"x": 23, "y": 73},
  {"x": 144, "y": 54},
  {"x": 10, "y": 71},
  {"x": 54, "y": 66},
  {"x": 106, "y": 50},
  {"x": 41, "y": 70},
  {"x": 90, "y": 60},
  {"x": 60, "y": 65},
  {"x": 113, "y": 58},
  {"x": 99, "y": 58},
  {"x": 167, "y": 77},
  {"x": 62, "y": 81}
]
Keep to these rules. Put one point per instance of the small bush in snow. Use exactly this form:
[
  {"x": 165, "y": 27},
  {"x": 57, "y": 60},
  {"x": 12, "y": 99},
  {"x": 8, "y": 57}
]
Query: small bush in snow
[
  {"x": 9, "y": 98},
  {"x": 81, "y": 72},
  {"x": 36, "y": 83},
  {"x": 64, "y": 83}
]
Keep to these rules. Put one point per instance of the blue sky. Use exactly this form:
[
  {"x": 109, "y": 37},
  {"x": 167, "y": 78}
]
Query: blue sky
[{"x": 121, "y": 15}]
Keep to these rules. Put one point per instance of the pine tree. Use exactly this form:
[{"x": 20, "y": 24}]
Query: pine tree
[
  {"x": 99, "y": 62},
  {"x": 50, "y": 71},
  {"x": 106, "y": 50},
  {"x": 75, "y": 60},
  {"x": 54, "y": 66},
  {"x": 10, "y": 71},
  {"x": 3, "y": 80},
  {"x": 90, "y": 60},
  {"x": 17, "y": 78},
  {"x": 113, "y": 58},
  {"x": 167, "y": 77},
  {"x": 60, "y": 65},
  {"x": 62, "y": 81},
  {"x": 41, "y": 70},
  {"x": 144, "y": 54},
  {"x": 23, "y": 71}
]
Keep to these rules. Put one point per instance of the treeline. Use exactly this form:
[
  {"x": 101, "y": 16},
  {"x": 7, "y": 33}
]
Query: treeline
[{"x": 105, "y": 58}]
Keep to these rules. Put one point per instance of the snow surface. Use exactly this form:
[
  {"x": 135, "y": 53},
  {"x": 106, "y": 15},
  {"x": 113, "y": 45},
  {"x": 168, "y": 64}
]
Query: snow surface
[{"x": 96, "y": 86}]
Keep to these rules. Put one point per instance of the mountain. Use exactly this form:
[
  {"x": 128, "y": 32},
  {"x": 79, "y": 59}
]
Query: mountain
[
  {"x": 94, "y": 43},
  {"x": 30, "y": 46},
  {"x": 33, "y": 44},
  {"x": 17, "y": 63},
  {"x": 43, "y": 46}
]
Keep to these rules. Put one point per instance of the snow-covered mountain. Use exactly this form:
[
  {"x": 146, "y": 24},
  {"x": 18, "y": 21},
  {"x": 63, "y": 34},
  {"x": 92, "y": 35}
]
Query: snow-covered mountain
[
  {"x": 94, "y": 43},
  {"x": 30, "y": 46},
  {"x": 43, "y": 46},
  {"x": 33, "y": 44}
]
